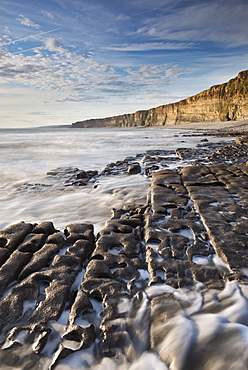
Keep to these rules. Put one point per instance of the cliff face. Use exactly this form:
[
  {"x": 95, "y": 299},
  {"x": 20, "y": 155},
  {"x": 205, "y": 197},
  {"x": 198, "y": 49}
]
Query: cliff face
[{"x": 228, "y": 101}]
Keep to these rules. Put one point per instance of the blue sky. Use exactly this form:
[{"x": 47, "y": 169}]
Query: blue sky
[{"x": 68, "y": 60}]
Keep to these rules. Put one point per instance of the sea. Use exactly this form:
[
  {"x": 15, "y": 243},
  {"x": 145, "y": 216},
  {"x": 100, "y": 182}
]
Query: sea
[{"x": 28, "y": 193}]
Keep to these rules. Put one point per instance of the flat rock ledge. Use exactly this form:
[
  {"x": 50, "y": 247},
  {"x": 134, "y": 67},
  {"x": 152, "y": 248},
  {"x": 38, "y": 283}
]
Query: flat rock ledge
[{"x": 107, "y": 291}]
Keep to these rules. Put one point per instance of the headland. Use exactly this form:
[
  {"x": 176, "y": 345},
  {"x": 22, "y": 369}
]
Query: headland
[{"x": 225, "y": 102}]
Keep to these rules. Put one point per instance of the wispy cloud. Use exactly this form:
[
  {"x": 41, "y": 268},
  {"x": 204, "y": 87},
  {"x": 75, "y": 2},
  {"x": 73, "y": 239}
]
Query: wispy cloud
[
  {"x": 47, "y": 14},
  {"x": 149, "y": 46},
  {"x": 219, "y": 21},
  {"x": 27, "y": 22}
]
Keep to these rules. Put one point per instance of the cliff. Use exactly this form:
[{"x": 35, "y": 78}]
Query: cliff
[{"x": 228, "y": 101}]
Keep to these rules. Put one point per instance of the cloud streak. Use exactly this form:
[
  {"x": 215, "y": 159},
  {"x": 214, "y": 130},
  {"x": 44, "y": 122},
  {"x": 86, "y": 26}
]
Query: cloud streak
[
  {"x": 149, "y": 46},
  {"x": 35, "y": 36}
]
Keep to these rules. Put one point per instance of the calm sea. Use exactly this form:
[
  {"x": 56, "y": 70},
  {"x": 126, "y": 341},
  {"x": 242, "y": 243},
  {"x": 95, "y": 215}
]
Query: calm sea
[{"x": 28, "y": 154}]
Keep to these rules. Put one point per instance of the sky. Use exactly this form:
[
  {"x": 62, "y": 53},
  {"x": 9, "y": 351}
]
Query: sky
[{"x": 62, "y": 61}]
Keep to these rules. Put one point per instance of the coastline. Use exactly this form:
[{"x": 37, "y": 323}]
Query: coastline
[{"x": 178, "y": 257}]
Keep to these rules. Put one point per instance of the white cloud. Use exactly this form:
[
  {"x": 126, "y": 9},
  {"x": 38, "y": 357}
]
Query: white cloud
[
  {"x": 71, "y": 77},
  {"x": 47, "y": 14},
  {"x": 53, "y": 44},
  {"x": 27, "y": 22}
]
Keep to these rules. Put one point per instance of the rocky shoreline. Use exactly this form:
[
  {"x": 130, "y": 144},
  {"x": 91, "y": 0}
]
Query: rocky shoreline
[
  {"x": 225, "y": 102},
  {"x": 190, "y": 234}
]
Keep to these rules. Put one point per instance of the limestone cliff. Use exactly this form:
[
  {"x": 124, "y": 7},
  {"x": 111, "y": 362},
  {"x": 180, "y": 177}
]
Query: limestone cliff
[{"x": 228, "y": 101}]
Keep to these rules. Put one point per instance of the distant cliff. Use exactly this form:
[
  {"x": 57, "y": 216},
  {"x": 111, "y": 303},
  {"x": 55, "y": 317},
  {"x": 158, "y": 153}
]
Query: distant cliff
[{"x": 228, "y": 101}]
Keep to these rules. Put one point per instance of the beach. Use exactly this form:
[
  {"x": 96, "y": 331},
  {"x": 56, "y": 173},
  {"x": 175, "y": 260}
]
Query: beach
[{"x": 237, "y": 126}]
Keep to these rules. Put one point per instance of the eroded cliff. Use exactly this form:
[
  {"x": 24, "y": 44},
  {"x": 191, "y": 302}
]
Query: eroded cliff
[{"x": 228, "y": 101}]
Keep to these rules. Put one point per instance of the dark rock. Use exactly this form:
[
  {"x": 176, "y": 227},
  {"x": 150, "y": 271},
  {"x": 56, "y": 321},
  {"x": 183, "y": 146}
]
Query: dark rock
[
  {"x": 3, "y": 242},
  {"x": 81, "y": 175},
  {"x": 32, "y": 243},
  {"x": 71, "y": 261},
  {"x": 81, "y": 305},
  {"x": 44, "y": 228},
  {"x": 81, "y": 248},
  {"x": 15, "y": 234},
  {"x": 134, "y": 169},
  {"x": 57, "y": 295},
  {"x": 86, "y": 335},
  {"x": 11, "y": 268},
  {"x": 74, "y": 232},
  {"x": 56, "y": 238},
  {"x": 40, "y": 259},
  {"x": 11, "y": 307},
  {"x": 4, "y": 255}
]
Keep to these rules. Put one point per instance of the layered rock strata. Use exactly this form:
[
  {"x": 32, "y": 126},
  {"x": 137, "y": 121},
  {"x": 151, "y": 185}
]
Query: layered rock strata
[
  {"x": 228, "y": 101},
  {"x": 115, "y": 295}
]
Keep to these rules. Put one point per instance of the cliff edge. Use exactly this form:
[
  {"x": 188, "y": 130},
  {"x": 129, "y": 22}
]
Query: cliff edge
[{"x": 225, "y": 102}]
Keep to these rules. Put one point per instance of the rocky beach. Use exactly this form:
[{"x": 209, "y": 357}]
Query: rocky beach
[{"x": 162, "y": 285}]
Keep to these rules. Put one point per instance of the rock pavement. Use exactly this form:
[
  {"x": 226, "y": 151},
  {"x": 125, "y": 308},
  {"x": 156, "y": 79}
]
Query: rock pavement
[{"x": 190, "y": 234}]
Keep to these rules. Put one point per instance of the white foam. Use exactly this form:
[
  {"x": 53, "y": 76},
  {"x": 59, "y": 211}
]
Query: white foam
[
  {"x": 215, "y": 204},
  {"x": 200, "y": 260},
  {"x": 158, "y": 289},
  {"x": 187, "y": 233},
  {"x": 25, "y": 159},
  {"x": 78, "y": 280},
  {"x": 116, "y": 250},
  {"x": 124, "y": 305},
  {"x": 144, "y": 274}
]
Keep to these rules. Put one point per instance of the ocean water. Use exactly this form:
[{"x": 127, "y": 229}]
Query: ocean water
[
  {"x": 212, "y": 324},
  {"x": 28, "y": 194}
]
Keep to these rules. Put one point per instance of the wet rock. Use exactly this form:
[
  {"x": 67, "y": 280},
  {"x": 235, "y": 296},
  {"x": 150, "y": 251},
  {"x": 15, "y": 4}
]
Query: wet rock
[
  {"x": 32, "y": 243},
  {"x": 86, "y": 335},
  {"x": 209, "y": 276},
  {"x": 62, "y": 171},
  {"x": 39, "y": 260},
  {"x": 11, "y": 307},
  {"x": 102, "y": 289},
  {"x": 134, "y": 169},
  {"x": 75, "y": 232},
  {"x": 15, "y": 234},
  {"x": 56, "y": 238},
  {"x": 120, "y": 235},
  {"x": 81, "y": 305},
  {"x": 46, "y": 228},
  {"x": 3, "y": 242},
  {"x": 98, "y": 269},
  {"x": 11, "y": 268},
  {"x": 42, "y": 334},
  {"x": 82, "y": 249},
  {"x": 191, "y": 234},
  {"x": 57, "y": 295},
  {"x": 71, "y": 261},
  {"x": 4, "y": 255}
]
